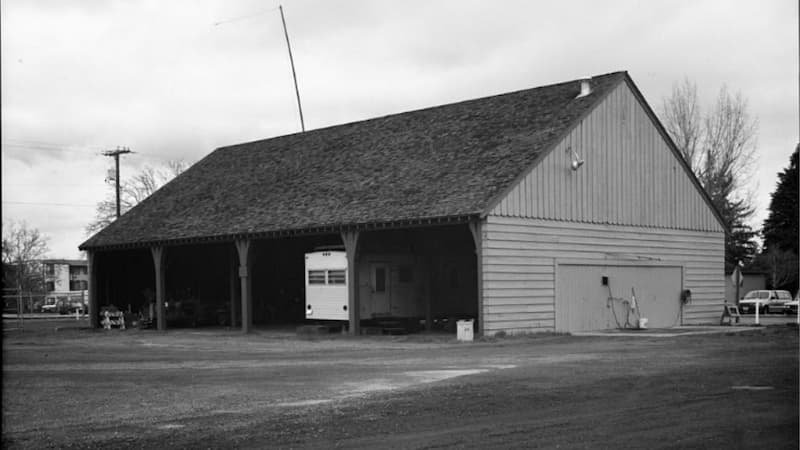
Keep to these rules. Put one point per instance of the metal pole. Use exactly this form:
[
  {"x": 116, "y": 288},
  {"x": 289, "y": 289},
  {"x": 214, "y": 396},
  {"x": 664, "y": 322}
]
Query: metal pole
[
  {"x": 294, "y": 74},
  {"x": 116, "y": 162},
  {"x": 19, "y": 306},
  {"x": 758, "y": 306}
]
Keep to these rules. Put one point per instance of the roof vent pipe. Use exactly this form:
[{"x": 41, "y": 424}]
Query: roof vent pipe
[{"x": 586, "y": 87}]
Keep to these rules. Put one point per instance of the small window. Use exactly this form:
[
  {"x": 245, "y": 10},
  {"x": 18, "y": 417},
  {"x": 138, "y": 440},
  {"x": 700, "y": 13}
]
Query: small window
[
  {"x": 405, "y": 274},
  {"x": 336, "y": 277},
  {"x": 316, "y": 277}
]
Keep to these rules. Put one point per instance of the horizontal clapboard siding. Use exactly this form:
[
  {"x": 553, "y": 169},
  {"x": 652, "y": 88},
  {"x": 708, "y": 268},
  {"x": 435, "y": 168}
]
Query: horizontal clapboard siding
[
  {"x": 630, "y": 175},
  {"x": 519, "y": 258}
]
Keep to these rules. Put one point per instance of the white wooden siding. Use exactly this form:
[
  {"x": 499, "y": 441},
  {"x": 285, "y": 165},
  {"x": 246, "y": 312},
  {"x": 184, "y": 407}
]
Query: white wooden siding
[
  {"x": 519, "y": 256},
  {"x": 630, "y": 175}
]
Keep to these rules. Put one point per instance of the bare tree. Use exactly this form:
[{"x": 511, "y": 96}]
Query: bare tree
[
  {"x": 720, "y": 148},
  {"x": 133, "y": 191},
  {"x": 23, "y": 249},
  {"x": 729, "y": 142},
  {"x": 681, "y": 118}
]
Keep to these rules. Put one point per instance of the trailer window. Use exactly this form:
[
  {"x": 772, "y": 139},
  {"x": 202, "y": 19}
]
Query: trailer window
[
  {"x": 336, "y": 277},
  {"x": 316, "y": 277}
]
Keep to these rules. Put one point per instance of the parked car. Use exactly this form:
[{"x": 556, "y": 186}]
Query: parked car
[
  {"x": 768, "y": 300},
  {"x": 791, "y": 307},
  {"x": 66, "y": 305},
  {"x": 50, "y": 304}
]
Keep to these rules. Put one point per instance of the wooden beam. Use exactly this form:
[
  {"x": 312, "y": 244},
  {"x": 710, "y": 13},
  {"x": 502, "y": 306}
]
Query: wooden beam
[
  {"x": 475, "y": 227},
  {"x": 232, "y": 287},
  {"x": 350, "y": 239},
  {"x": 430, "y": 288},
  {"x": 245, "y": 267},
  {"x": 94, "y": 307},
  {"x": 160, "y": 268}
]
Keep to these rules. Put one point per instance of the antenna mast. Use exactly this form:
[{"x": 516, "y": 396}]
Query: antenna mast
[{"x": 294, "y": 74}]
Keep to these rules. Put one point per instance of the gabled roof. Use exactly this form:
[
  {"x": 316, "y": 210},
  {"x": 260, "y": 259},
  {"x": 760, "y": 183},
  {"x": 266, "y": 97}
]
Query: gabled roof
[{"x": 439, "y": 163}]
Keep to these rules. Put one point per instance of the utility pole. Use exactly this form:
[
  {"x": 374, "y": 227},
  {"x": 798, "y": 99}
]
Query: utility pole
[
  {"x": 294, "y": 75},
  {"x": 115, "y": 154}
]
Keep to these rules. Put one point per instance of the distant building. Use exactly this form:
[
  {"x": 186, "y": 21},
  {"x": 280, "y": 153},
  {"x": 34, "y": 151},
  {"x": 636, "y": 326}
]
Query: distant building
[
  {"x": 750, "y": 281},
  {"x": 65, "y": 275}
]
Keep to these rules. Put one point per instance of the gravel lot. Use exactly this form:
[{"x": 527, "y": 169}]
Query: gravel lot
[{"x": 67, "y": 386}]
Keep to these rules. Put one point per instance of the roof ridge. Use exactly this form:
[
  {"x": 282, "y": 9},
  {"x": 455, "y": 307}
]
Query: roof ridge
[{"x": 419, "y": 110}]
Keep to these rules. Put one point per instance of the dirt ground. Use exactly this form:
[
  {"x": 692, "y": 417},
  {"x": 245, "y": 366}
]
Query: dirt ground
[{"x": 80, "y": 388}]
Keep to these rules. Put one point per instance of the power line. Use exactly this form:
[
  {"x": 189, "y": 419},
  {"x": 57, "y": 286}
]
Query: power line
[
  {"x": 86, "y": 185},
  {"x": 234, "y": 19},
  {"x": 48, "y": 148},
  {"x": 49, "y": 204},
  {"x": 45, "y": 144}
]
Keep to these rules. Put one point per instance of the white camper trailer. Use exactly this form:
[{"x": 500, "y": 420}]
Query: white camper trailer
[{"x": 326, "y": 285}]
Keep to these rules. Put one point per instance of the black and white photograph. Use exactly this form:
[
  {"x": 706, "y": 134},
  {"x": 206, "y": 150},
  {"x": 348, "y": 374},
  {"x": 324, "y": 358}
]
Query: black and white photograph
[{"x": 369, "y": 224}]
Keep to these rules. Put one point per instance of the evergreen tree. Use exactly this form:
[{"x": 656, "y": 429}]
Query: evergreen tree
[
  {"x": 779, "y": 256},
  {"x": 781, "y": 227}
]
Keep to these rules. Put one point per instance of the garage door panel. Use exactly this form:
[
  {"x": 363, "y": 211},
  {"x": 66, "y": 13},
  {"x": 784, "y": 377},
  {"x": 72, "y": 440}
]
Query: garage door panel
[{"x": 582, "y": 300}]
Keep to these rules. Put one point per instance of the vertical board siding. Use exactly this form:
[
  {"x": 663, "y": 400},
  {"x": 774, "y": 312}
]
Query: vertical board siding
[
  {"x": 519, "y": 257},
  {"x": 630, "y": 175}
]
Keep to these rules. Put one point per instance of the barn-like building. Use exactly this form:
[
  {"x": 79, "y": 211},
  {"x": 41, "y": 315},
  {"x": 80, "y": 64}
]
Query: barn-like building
[{"x": 547, "y": 209}]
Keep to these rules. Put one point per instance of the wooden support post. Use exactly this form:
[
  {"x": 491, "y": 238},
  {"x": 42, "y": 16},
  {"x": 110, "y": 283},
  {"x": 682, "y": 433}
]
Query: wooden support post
[
  {"x": 476, "y": 229},
  {"x": 431, "y": 253},
  {"x": 429, "y": 296},
  {"x": 232, "y": 288},
  {"x": 94, "y": 310},
  {"x": 245, "y": 266},
  {"x": 350, "y": 239},
  {"x": 160, "y": 268}
]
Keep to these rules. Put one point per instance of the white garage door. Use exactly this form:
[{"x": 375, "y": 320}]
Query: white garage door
[{"x": 582, "y": 300}]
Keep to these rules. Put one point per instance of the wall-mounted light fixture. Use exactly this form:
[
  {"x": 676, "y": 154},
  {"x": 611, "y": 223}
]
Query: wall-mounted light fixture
[{"x": 576, "y": 160}]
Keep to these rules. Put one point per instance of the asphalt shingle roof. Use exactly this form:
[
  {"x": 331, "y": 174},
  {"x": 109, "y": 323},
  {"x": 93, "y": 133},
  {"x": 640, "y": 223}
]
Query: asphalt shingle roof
[{"x": 444, "y": 161}]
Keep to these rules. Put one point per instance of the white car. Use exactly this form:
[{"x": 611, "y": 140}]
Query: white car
[
  {"x": 791, "y": 307},
  {"x": 49, "y": 304},
  {"x": 767, "y": 301}
]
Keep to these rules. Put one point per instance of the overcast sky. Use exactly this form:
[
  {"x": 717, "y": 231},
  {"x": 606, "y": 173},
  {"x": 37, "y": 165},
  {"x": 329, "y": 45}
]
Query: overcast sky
[{"x": 80, "y": 77}]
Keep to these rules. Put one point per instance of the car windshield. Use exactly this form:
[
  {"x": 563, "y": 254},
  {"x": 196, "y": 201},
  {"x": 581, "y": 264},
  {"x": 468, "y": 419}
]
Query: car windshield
[
  {"x": 756, "y": 294},
  {"x": 784, "y": 295}
]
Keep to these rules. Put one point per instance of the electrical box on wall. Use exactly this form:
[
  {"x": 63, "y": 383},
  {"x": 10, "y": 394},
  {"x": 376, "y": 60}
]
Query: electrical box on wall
[{"x": 604, "y": 281}]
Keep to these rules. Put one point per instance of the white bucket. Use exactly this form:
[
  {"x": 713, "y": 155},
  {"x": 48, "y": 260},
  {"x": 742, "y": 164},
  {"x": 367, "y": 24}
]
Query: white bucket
[
  {"x": 643, "y": 323},
  {"x": 464, "y": 330}
]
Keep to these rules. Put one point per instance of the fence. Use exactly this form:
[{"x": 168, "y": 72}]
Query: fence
[{"x": 16, "y": 301}]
